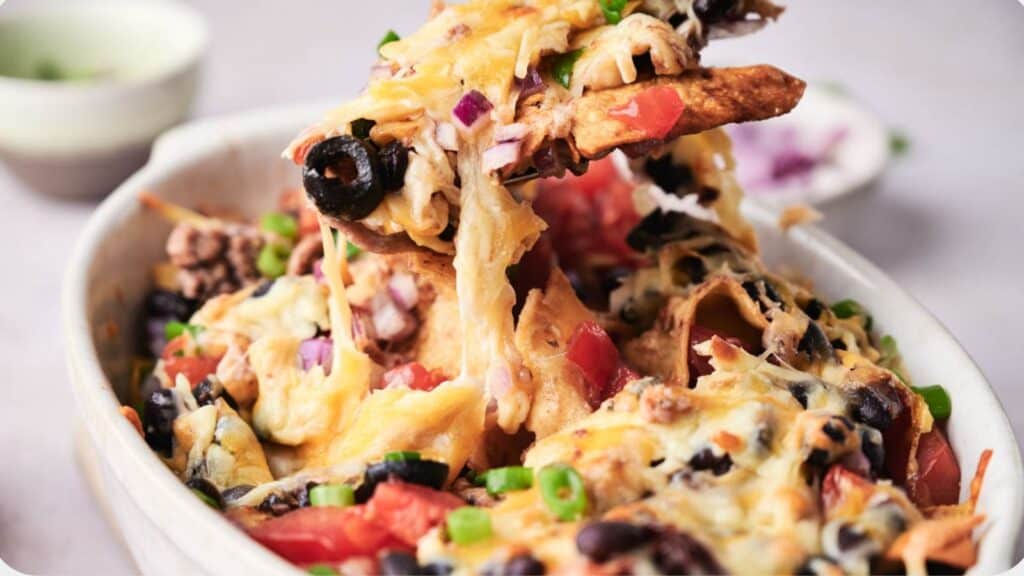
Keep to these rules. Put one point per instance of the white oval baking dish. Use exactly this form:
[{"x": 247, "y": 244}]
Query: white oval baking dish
[{"x": 235, "y": 162}]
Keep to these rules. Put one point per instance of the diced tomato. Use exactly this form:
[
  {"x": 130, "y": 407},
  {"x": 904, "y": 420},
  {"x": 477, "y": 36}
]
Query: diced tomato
[
  {"x": 408, "y": 511},
  {"x": 589, "y": 217},
  {"x": 592, "y": 350},
  {"x": 195, "y": 368},
  {"x": 654, "y": 111},
  {"x": 701, "y": 365},
  {"x": 324, "y": 534},
  {"x": 838, "y": 482},
  {"x": 938, "y": 473},
  {"x": 412, "y": 375}
]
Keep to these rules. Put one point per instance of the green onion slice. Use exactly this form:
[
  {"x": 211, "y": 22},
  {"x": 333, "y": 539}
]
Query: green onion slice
[
  {"x": 272, "y": 261},
  {"x": 562, "y": 65},
  {"x": 351, "y": 251},
  {"x": 401, "y": 456},
  {"x": 562, "y": 489},
  {"x": 281, "y": 224},
  {"x": 321, "y": 570},
  {"x": 174, "y": 329},
  {"x": 849, "y": 308},
  {"x": 937, "y": 400},
  {"x": 612, "y": 10},
  {"x": 338, "y": 495},
  {"x": 389, "y": 37},
  {"x": 508, "y": 479},
  {"x": 467, "y": 525}
]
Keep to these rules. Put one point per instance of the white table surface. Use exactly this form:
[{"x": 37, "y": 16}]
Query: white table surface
[{"x": 944, "y": 222}]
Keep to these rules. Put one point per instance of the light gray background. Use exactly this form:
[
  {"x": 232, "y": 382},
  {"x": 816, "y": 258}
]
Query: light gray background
[{"x": 945, "y": 222}]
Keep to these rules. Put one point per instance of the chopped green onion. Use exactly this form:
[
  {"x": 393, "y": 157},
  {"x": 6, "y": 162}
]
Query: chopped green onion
[
  {"x": 467, "y": 525},
  {"x": 338, "y": 495},
  {"x": 887, "y": 346},
  {"x": 899, "y": 144},
  {"x": 849, "y": 308},
  {"x": 206, "y": 499},
  {"x": 562, "y": 489},
  {"x": 612, "y": 10},
  {"x": 510, "y": 478},
  {"x": 174, "y": 329},
  {"x": 388, "y": 38},
  {"x": 273, "y": 260},
  {"x": 361, "y": 128},
  {"x": 938, "y": 401},
  {"x": 281, "y": 224},
  {"x": 351, "y": 251},
  {"x": 321, "y": 570},
  {"x": 401, "y": 456},
  {"x": 562, "y": 65}
]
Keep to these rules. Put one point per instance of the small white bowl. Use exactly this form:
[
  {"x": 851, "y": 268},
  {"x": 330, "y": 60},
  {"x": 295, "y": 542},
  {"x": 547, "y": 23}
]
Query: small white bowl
[
  {"x": 236, "y": 162},
  {"x": 131, "y": 70}
]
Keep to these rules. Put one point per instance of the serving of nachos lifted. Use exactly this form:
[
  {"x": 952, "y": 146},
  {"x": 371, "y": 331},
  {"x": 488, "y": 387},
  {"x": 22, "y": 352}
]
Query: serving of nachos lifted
[{"x": 516, "y": 324}]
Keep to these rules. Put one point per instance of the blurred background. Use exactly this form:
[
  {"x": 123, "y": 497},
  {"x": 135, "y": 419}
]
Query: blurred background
[{"x": 943, "y": 220}]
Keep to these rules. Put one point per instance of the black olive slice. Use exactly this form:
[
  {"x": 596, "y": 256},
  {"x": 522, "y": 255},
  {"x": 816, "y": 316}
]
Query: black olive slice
[
  {"x": 423, "y": 472},
  {"x": 394, "y": 160},
  {"x": 354, "y": 190}
]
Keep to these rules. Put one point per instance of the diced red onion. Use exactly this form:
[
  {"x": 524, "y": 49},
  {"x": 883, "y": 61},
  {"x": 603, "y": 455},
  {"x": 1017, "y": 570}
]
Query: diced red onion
[
  {"x": 316, "y": 352},
  {"x": 857, "y": 462},
  {"x": 318, "y": 270},
  {"x": 362, "y": 324},
  {"x": 446, "y": 136},
  {"x": 390, "y": 322},
  {"x": 501, "y": 155},
  {"x": 402, "y": 289},
  {"x": 531, "y": 84},
  {"x": 471, "y": 107},
  {"x": 499, "y": 381}
]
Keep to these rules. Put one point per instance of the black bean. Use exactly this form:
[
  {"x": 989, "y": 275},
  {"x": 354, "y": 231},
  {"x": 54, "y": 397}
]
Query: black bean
[
  {"x": 601, "y": 541},
  {"x": 659, "y": 228},
  {"x": 814, "y": 309},
  {"x": 872, "y": 406},
  {"x": 163, "y": 303},
  {"x": 278, "y": 504},
  {"x": 159, "y": 413},
  {"x": 872, "y": 446},
  {"x": 771, "y": 293},
  {"x": 849, "y": 537},
  {"x": 208, "y": 489},
  {"x": 678, "y": 553},
  {"x": 656, "y": 462},
  {"x": 712, "y": 11},
  {"x": 834, "y": 431},
  {"x": 706, "y": 459},
  {"x": 838, "y": 344},
  {"x": 524, "y": 565},
  {"x": 815, "y": 343},
  {"x": 423, "y": 472},
  {"x": 668, "y": 175},
  {"x": 799, "y": 391},
  {"x": 207, "y": 392},
  {"x": 262, "y": 289},
  {"x": 394, "y": 160},
  {"x": 693, "y": 267},
  {"x": 818, "y": 457},
  {"x": 236, "y": 492},
  {"x": 395, "y": 563}
]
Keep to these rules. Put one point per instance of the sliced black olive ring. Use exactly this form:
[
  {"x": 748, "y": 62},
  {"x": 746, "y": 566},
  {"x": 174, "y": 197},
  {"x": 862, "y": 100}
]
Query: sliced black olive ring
[{"x": 355, "y": 189}]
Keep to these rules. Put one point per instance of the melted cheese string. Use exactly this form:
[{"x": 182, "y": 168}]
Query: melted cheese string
[{"x": 334, "y": 266}]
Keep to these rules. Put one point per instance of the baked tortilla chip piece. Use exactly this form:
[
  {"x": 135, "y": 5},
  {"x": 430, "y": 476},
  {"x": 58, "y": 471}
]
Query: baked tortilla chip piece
[
  {"x": 711, "y": 97},
  {"x": 546, "y": 324}
]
